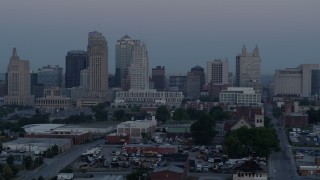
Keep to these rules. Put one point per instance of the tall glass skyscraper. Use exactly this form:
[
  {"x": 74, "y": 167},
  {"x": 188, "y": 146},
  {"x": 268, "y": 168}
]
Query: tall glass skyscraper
[
  {"x": 76, "y": 60},
  {"x": 50, "y": 76}
]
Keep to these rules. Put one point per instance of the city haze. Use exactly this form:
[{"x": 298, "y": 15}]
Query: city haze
[{"x": 179, "y": 34}]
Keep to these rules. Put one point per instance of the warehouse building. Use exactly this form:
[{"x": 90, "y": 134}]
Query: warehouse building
[{"x": 35, "y": 145}]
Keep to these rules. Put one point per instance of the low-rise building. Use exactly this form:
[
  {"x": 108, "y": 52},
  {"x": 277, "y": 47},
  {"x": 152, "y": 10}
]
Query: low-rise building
[
  {"x": 198, "y": 105},
  {"x": 242, "y": 96},
  {"x": 258, "y": 121},
  {"x": 296, "y": 120},
  {"x": 135, "y": 129},
  {"x": 77, "y": 134},
  {"x": 53, "y": 100},
  {"x": 170, "y": 172},
  {"x": 38, "y": 144},
  {"x": 117, "y": 138},
  {"x": 309, "y": 170},
  {"x": 251, "y": 170},
  {"x": 148, "y": 97},
  {"x": 180, "y": 130}
]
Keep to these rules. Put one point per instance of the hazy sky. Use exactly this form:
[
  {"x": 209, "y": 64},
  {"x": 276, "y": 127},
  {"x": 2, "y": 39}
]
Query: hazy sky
[{"x": 179, "y": 34}]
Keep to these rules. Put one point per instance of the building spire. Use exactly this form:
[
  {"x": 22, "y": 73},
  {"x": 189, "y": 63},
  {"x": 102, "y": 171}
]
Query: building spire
[
  {"x": 244, "y": 50},
  {"x": 14, "y": 54},
  {"x": 256, "y": 51}
]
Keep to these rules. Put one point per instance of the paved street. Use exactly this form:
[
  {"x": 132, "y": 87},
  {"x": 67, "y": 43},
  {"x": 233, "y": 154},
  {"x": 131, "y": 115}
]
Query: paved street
[
  {"x": 281, "y": 164},
  {"x": 53, "y": 166}
]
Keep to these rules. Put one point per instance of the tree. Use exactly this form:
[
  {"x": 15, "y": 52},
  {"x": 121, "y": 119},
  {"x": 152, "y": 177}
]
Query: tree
[
  {"x": 254, "y": 142},
  {"x": 10, "y": 159},
  {"x": 180, "y": 114},
  {"x": 162, "y": 113},
  {"x": 217, "y": 113},
  {"x": 119, "y": 115},
  {"x": 38, "y": 161},
  {"x": 7, "y": 172},
  {"x": 55, "y": 150},
  {"x": 41, "y": 178},
  {"x": 314, "y": 116},
  {"x": 202, "y": 130},
  {"x": 137, "y": 175},
  {"x": 100, "y": 111},
  {"x": 15, "y": 170},
  {"x": 194, "y": 114},
  {"x": 27, "y": 161},
  {"x": 267, "y": 121}
]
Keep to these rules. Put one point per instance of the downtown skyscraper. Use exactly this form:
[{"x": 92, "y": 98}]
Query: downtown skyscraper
[
  {"x": 248, "y": 70},
  {"x": 98, "y": 62},
  {"x": 124, "y": 49},
  {"x": 18, "y": 82},
  {"x": 217, "y": 71},
  {"x": 76, "y": 60},
  {"x": 139, "y": 69}
]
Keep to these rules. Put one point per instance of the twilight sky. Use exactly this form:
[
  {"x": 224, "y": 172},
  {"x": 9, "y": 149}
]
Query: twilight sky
[{"x": 179, "y": 34}]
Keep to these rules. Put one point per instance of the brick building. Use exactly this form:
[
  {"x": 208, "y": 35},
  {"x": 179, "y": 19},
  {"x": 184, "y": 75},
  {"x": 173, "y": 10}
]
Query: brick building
[
  {"x": 169, "y": 173},
  {"x": 296, "y": 120}
]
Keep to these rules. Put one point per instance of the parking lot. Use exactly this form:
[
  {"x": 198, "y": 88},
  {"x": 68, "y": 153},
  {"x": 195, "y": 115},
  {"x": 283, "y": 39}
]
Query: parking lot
[
  {"x": 115, "y": 158},
  {"x": 303, "y": 138}
]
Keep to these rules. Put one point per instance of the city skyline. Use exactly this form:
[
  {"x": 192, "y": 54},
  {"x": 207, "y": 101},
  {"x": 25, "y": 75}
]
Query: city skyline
[{"x": 175, "y": 32}]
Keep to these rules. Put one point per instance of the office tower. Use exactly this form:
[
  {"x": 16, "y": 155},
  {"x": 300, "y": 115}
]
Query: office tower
[
  {"x": 217, "y": 72},
  {"x": 36, "y": 88},
  {"x": 159, "y": 78},
  {"x": 33, "y": 80},
  {"x": 3, "y": 84},
  {"x": 307, "y": 78},
  {"x": 248, "y": 69},
  {"x": 315, "y": 83},
  {"x": 230, "y": 79},
  {"x": 193, "y": 85},
  {"x": 300, "y": 81},
  {"x": 199, "y": 71},
  {"x": 139, "y": 78},
  {"x": 111, "y": 80},
  {"x": 50, "y": 76},
  {"x": 177, "y": 83},
  {"x": 76, "y": 60},
  {"x": 98, "y": 62},
  {"x": 18, "y": 82},
  {"x": 124, "y": 49},
  {"x": 2, "y": 88},
  {"x": 84, "y": 78}
]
